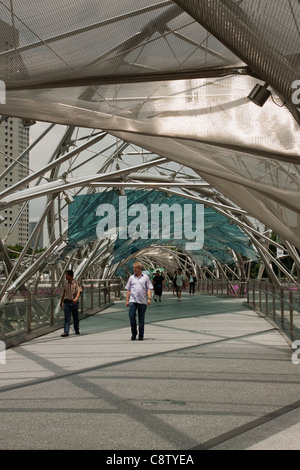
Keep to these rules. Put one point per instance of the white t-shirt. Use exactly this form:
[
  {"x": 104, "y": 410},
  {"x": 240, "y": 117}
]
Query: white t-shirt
[{"x": 138, "y": 287}]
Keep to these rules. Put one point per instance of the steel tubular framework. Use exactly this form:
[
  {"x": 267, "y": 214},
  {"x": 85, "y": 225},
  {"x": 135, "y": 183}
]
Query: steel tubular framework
[
  {"x": 162, "y": 103},
  {"x": 111, "y": 160}
]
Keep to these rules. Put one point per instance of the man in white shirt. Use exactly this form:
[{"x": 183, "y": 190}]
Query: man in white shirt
[{"x": 138, "y": 297}]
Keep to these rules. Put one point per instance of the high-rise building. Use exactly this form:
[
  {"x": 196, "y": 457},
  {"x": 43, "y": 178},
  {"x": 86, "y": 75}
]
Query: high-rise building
[
  {"x": 14, "y": 139},
  {"x": 40, "y": 245}
]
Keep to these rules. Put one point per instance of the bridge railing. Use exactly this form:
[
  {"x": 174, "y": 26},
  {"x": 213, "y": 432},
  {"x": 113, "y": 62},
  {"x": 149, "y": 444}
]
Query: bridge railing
[
  {"x": 222, "y": 287},
  {"x": 281, "y": 304},
  {"x": 278, "y": 303},
  {"x": 30, "y": 314}
]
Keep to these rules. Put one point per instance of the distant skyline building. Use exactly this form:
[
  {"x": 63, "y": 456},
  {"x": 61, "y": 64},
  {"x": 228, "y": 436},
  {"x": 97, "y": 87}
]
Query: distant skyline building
[
  {"x": 40, "y": 245},
  {"x": 14, "y": 139}
]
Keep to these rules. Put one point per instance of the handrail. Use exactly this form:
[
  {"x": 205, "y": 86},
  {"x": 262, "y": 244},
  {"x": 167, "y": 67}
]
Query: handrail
[
  {"x": 280, "y": 304},
  {"x": 31, "y": 314},
  {"x": 233, "y": 288}
]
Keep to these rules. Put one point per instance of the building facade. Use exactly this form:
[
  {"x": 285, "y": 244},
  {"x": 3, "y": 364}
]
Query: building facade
[
  {"x": 40, "y": 244},
  {"x": 14, "y": 139}
]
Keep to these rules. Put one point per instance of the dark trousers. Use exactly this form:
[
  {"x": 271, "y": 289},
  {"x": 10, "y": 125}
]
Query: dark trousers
[
  {"x": 192, "y": 288},
  {"x": 71, "y": 308},
  {"x": 141, "y": 310}
]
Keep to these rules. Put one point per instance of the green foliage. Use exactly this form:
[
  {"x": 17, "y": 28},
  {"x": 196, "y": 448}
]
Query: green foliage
[{"x": 14, "y": 251}]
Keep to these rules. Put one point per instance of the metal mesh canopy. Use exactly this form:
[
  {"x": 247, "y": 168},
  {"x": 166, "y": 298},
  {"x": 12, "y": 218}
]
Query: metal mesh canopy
[
  {"x": 170, "y": 212},
  {"x": 171, "y": 77}
]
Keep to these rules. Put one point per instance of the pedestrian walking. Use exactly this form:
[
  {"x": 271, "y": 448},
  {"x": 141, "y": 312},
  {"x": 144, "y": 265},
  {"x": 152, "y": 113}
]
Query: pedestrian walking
[
  {"x": 179, "y": 284},
  {"x": 174, "y": 282},
  {"x": 192, "y": 282},
  {"x": 158, "y": 281},
  {"x": 138, "y": 297},
  {"x": 70, "y": 303}
]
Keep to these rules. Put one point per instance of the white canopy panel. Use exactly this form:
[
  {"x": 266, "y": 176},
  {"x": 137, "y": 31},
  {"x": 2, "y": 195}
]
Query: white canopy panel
[{"x": 172, "y": 77}]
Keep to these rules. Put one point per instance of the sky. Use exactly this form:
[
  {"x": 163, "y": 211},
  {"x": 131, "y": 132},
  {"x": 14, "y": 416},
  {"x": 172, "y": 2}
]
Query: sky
[{"x": 40, "y": 156}]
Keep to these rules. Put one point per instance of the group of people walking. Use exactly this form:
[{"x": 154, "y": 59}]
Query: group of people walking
[
  {"x": 179, "y": 281},
  {"x": 138, "y": 296}
]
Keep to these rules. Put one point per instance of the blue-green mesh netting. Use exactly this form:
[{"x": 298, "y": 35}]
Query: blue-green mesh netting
[{"x": 218, "y": 234}]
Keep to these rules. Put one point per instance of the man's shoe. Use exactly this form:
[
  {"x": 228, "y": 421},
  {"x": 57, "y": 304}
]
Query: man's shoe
[
  {"x": 141, "y": 338},
  {"x": 77, "y": 332},
  {"x": 64, "y": 335},
  {"x": 133, "y": 337}
]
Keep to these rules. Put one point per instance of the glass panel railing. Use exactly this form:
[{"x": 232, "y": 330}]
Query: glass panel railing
[
  {"x": 28, "y": 312},
  {"x": 280, "y": 303},
  {"x": 222, "y": 287}
]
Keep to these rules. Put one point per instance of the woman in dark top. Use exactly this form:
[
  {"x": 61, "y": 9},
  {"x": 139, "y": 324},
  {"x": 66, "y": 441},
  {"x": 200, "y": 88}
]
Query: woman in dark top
[{"x": 158, "y": 285}]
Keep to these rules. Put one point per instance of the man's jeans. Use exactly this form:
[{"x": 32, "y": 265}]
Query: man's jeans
[
  {"x": 141, "y": 309},
  {"x": 71, "y": 308}
]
